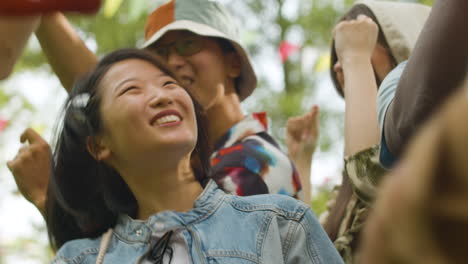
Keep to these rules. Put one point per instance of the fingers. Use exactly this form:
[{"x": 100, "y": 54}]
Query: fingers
[
  {"x": 362, "y": 17},
  {"x": 10, "y": 165},
  {"x": 27, "y": 152},
  {"x": 313, "y": 122},
  {"x": 23, "y": 152},
  {"x": 30, "y": 136},
  {"x": 314, "y": 111},
  {"x": 312, "y": 116}
]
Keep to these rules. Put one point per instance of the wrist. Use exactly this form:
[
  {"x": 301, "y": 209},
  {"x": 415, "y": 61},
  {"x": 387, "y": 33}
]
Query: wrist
[
  {"x": 354, "y": 58},
  {"x": 305, "y": 157},
  {"x": 39, "y": 203}
]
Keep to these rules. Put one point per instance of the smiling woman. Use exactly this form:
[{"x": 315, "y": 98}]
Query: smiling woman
[{"x": 134, "y": 141}]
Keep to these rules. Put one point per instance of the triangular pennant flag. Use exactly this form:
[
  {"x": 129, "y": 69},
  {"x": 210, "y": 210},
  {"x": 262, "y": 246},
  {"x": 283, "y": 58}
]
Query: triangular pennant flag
[
  {"x": 286, "y": 49},
  {"x": 3, "y": 124}
]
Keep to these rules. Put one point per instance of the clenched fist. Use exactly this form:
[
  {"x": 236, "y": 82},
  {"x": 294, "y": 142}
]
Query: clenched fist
[{"x": 355, "y": 38}]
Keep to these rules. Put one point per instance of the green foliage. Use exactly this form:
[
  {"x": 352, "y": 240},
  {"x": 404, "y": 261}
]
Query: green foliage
[
  {"x": 320, "y": 198},
  {"x": 427, "y": 2},
  {"x": 4, "y": 98}
]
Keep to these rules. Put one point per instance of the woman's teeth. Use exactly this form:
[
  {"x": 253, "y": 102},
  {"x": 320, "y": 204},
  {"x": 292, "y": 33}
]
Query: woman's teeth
[{"x": 167, "y": 119}]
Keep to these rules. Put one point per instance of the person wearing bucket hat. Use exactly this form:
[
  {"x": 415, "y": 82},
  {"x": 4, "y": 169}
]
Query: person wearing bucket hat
[
  {"x": 197, "y": 38},
  {"x": 215, "y": 67},
  {"x": 370, "y": 41},
  {"x": 205, "y": 18}
]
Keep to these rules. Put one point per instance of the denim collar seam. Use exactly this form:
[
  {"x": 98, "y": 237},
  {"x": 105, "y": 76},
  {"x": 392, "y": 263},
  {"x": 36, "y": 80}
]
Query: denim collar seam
[
  {"x": 80, "y": 257},
  {"x": 233, "y": 253},
  {"x": 293, "y": 215},
  {"x": 215, "y": 206},
  {"x": 209, "y": 203}
]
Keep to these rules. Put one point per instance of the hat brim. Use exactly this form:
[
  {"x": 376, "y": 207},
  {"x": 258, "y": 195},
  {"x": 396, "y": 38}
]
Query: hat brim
[{"x": 247, "y": 79}]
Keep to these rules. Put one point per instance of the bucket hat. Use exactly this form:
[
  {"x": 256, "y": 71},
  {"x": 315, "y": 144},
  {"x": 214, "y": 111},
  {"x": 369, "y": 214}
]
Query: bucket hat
[{"x": 206, "y": 18}]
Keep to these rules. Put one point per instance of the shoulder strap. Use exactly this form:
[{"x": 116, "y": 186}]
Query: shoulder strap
[{"x": 105, "y": 241}]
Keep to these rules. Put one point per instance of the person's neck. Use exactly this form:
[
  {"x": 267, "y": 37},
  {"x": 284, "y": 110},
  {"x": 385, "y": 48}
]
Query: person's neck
[
  {"x": 222, "y": 116},
  {"x": 160, "y": 188}
]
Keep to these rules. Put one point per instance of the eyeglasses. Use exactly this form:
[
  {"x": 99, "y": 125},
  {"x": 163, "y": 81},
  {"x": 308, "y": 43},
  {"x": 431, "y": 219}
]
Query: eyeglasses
[{"x": 183, "y": 47}]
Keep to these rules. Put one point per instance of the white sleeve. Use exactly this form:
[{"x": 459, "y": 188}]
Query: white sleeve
[{"x": 387, "y": 91}]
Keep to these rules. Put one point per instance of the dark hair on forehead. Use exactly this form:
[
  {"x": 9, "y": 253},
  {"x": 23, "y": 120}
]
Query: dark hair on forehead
[
  {"x": 353, "y": 13},
  {"x": 85, "y": 196}
]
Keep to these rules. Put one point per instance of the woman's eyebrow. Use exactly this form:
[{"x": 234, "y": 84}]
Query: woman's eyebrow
[
  {"x": 123, "y": 82},
  {"x": 162, "y": 74}
]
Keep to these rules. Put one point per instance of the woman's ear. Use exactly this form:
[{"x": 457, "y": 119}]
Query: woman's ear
[
  {"x": 97, "y": 148},
  {"x": 234, "y": 64}
]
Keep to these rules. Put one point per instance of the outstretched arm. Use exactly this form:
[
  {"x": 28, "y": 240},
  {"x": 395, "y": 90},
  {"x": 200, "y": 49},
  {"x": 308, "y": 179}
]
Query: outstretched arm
[
  {"x": 437, "y": 66},
  {"x": 67, "y": 54},
  {"x": 15, "y": 32}
]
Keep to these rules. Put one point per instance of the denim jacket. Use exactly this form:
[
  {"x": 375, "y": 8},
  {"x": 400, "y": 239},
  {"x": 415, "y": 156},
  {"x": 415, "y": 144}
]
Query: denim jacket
[{"x": 221, "y": 228}]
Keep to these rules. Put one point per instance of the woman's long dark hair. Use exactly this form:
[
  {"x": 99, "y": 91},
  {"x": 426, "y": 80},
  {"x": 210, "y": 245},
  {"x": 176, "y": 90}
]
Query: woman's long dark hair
[
  {"x": 85, "y": 196},
  {"x": 353, "y": 13}
]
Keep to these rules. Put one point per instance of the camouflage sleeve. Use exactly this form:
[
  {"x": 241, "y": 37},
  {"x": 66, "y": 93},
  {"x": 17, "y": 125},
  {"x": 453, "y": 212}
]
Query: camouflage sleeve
[{"x": 365, "y": 172}]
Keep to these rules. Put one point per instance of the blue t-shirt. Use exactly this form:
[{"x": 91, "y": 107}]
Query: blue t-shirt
[{"x": 385, "y": 96}]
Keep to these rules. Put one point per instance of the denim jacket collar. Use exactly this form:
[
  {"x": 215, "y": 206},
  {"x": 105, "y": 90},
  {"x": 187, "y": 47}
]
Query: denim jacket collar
[{"x": 134, "y": 230}]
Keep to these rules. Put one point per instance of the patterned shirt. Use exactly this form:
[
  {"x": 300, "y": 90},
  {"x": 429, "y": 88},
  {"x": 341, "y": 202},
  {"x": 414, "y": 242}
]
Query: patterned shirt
[
  {"x": 247, "y": 161},
  {"x": 365, "y": 173}
]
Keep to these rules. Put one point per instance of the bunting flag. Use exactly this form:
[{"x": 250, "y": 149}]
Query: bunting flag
[
  {"x": 39, "y": 128},
  {"x": 323, "y": 63},
  {"x": 3, "y": 124},
  {"x": 286, "y": 49},
  {"x": 111, "y": 7}
]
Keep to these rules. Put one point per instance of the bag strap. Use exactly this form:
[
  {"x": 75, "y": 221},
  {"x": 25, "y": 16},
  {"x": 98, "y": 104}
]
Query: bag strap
[{"x": 105, "y": 241}]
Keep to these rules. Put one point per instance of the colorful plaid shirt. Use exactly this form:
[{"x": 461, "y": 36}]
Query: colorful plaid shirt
[{"x": 248, "y": 161}]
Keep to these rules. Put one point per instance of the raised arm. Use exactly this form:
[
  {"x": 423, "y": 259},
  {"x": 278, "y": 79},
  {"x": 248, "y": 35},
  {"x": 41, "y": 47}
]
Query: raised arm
[
  {"x": 355, "y": 41},
  {"x": 15, "y": 32},
  {"x": 437, "y": 66},
  {"x": 302, "y": 135},
  {"x": 68, "y": 55}
]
